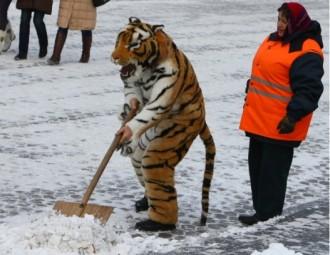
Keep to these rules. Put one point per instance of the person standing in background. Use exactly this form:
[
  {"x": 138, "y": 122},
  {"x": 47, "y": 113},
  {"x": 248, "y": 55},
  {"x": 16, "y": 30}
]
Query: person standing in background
[
  {"x": 40, "y": 8},
  {"x": 283, "y": 91},
  {"x": 6, "y": 33},
  {"x": 74, "y": 15}
]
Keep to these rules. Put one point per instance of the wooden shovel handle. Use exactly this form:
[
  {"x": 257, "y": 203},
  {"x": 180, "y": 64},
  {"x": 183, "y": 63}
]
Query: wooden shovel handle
[{"x": 104, "y": 162}]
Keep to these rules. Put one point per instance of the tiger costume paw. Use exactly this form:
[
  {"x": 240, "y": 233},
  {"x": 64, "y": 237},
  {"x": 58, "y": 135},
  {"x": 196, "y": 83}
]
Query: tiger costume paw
[
  {"x": 123, "y": 112},
  {"x": 150, "y": 225},
  {"x": 128, "y": 147}
]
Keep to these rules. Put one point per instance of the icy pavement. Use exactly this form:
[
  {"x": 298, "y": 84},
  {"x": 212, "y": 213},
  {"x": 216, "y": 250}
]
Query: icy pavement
[{"x": 57, "y": 122}]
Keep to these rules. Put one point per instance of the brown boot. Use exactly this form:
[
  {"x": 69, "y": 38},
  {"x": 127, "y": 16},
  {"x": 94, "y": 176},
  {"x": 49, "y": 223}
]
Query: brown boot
[
  {"x": 59, "y": 43},
  {"x": 86, "y": 48}
]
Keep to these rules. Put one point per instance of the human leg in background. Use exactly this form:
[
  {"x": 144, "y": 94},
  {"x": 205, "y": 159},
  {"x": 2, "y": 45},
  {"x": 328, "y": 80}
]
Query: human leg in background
[
  {"x": 86, "y": 45},
  {"x": 38, "y": 20},
  {"x": 4, "y": 5},
  {"x": 59, "y": 43},
  {"x": 24, "y": 34}
]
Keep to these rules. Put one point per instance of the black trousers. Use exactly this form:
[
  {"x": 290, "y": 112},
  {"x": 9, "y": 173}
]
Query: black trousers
[
  {"x": 24, "y": 30},
  {"x": 4, "y": 5},
  {"x": 269, "y": 166}
]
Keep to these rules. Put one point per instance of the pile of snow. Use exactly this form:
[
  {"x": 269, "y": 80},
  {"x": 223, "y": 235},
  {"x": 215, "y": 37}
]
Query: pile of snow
[
  {"x": 59, "y": 235},
  {"x": 276, "y": 249}
]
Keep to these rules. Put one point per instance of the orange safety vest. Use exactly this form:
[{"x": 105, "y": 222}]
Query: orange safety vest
[{"x": 270, "y": 92}]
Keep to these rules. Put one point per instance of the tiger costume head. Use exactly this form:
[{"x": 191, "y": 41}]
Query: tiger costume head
[{"x": 138, "y": 46}]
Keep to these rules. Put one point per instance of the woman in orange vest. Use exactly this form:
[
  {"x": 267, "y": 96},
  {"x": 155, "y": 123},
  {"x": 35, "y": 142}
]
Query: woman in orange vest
[{"x": 282, "y": 92}]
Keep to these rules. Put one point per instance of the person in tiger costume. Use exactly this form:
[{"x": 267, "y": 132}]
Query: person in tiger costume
[{"x": 160, "y": 83}]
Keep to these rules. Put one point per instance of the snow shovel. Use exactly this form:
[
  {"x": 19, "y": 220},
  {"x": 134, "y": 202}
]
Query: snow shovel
[{"x": 100, "y": 212}]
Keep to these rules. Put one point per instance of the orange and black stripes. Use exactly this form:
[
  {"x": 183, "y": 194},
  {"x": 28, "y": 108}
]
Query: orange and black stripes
[
  {"x": 208, "y": 174},
  {"x": 172, "y": 115}
]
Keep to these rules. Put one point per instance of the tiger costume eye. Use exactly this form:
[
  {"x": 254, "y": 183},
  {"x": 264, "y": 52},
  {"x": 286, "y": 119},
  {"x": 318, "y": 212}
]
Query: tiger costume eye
[{"x": 132, "y": 45}]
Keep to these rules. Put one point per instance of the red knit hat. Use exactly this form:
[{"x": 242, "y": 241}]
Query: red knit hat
[{"x": 299, "y": 19}]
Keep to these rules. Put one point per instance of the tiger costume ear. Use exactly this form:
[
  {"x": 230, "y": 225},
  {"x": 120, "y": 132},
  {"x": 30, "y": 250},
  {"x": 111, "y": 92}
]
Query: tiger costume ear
[
  {"x": 156, "y": 28},
  {"x": 134, "y": 20},
  {"x": 164, "y": 42}
]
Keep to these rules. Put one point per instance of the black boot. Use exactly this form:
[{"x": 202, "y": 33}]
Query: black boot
[
  {"x": 40, "y": 26},
  {"x": 86, "y": 46},
  {"x": 42, "y": 52},
  {"x": 250, "y": 219},
  {"x": 150, "y": 225},
  {"x": 24, "y": 34},
  {"x": 142, "y": 204},
  {"x": 20, "y": 57}
]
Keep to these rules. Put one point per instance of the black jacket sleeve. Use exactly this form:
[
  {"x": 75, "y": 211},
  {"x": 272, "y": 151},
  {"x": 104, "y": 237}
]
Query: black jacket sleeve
[{"x": 305, "y": 80}]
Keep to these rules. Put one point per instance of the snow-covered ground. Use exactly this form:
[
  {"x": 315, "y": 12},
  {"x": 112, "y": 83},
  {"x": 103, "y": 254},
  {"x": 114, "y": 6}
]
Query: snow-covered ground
[{"x": 58, "y": 121}]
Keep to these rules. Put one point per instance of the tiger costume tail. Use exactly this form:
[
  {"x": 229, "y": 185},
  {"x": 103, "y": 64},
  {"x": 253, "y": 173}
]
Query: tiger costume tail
[{"x": 207, "y": 139}]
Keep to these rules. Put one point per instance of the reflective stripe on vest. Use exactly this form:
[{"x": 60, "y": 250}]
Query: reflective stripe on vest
[
  {"x": 270, "y": 84},
  {"x": 269, "y": 91},
  {"x": 270, "y": 95}
]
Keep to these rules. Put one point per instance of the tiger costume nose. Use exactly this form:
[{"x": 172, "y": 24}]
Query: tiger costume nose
[
  {"x": 114, "y": 60},
  {"x": 114, "y": 57},
  {"x": 117, "y": 57}
]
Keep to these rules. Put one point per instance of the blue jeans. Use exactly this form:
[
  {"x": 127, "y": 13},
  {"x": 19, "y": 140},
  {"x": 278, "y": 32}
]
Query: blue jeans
[{"x": 24, "y": 31}]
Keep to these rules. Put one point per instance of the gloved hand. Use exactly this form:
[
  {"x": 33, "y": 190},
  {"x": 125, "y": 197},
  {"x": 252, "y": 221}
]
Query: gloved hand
[{"x": 286, "y": 125}]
